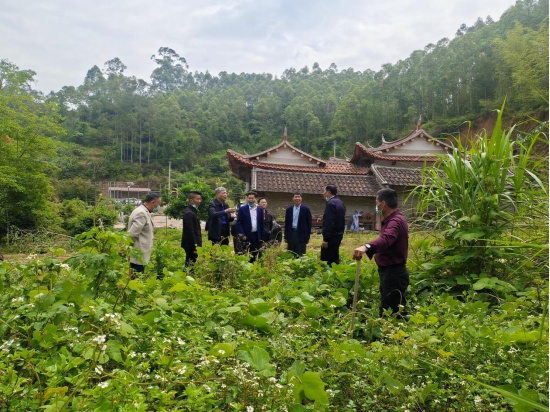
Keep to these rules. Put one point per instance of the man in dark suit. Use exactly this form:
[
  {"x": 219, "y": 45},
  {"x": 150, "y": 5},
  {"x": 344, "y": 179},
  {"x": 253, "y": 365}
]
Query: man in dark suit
[
  {"x": 191, "y": 236},
  {"x": 297, "y": 226},
  {"x": 250, "y": 225},
  {"x": 220, "y": 215},
  {"x": 334, "y": 224}
]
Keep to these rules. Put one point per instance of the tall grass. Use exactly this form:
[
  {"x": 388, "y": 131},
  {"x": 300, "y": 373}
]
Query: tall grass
[{"x": 490, "y": 207}]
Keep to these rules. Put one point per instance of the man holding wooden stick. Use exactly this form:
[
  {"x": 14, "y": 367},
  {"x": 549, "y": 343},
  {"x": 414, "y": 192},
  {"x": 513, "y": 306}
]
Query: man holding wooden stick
[{"x": 390, "y": 251}]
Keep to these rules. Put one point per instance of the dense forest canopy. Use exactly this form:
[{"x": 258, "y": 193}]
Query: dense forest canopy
[{"x": 118, "y": 127}]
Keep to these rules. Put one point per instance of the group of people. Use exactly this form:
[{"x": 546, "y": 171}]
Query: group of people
[{"x": 253, "y": 228}]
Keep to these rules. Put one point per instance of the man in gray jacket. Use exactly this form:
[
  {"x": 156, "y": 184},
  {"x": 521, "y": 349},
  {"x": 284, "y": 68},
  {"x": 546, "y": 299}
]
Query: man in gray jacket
[{"x": 140, "y": 227}]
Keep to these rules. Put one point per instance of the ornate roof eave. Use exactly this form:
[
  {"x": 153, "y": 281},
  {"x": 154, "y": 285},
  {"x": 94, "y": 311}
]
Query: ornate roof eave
[
  {"x": 240, "y": 164},
  {"x": 360, "y": 152},
  {"x": 411, "y": 136},
  {"x": 285, "y": 144}
]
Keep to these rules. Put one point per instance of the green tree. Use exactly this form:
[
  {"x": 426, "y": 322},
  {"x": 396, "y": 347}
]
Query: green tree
[{"x": 26, "y": 127}]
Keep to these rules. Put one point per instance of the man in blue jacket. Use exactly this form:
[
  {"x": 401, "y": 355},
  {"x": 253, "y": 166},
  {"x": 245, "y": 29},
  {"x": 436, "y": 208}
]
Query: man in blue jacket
[
  {"x": 297, "y": 226},
  {"x": 220, "y": 215},
  {"x": 250, "y": 225},
  {"x": 334, "y": 224}
]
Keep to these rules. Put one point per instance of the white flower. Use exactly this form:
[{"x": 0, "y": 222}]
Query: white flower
[
  {"x": 249, "y": 409},
  {"x": 7, "y": 344},
  {"x": 181, "y": 341},
  {"x": 103, "y": 384},
  {"x": 221, "y": 352},
  {"x": 99, "y": 339},
  {"x": 132, "y": 354},
  {"x": 32, "y": 256},
  {"x": 64, "y": 266},
  {"x": 98, "y": 369}
]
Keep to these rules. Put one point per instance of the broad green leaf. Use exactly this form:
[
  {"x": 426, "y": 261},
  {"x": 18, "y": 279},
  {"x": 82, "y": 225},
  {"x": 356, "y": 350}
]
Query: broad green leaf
[
  {"x": 135, "y": 284},
  {"x": 179, "y": 287},
  {"x": 222, "y": 350},
  {"x": 258, "y": 306},
  {"x": 399, "y": 335},
  {"x": 394, "y": 386},
  {"x": 126, "y": 330},
  {"x": 258, "y": 358},
  {"x": 427, "y": 391},
  {"x": 113, "y": 350},
  {"x": 312, "y": 387},
  {"x": 297, "y": 368},
  {"x": 55, "y": 391}
]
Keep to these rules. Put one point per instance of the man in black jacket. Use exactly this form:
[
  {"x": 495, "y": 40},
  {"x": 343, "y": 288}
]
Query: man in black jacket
[
  {"x": 191, "y": 235},
  {"x": 220, "y": 215},
  {"x": 297, "y": 226},
  {"x": 334, "y": 224}
]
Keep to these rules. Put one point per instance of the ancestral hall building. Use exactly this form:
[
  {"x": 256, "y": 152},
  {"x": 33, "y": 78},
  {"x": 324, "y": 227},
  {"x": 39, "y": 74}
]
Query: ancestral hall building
[{"x": 279, "y": 171}]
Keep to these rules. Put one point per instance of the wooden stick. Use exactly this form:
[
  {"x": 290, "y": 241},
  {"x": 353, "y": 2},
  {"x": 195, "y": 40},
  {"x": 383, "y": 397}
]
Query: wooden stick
[{"x": 355, "y": 293}]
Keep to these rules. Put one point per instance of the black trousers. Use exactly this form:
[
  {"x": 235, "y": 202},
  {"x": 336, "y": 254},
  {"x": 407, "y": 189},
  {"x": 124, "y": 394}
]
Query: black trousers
[
  {"x": 253, "y": 246},
  {"x": 332, "y": 253},
  {"x": 137, "y": 267},
  {"x": 294, "y": 244},
  {"x": 190, "y": 257},
  {"x": 394, "y": 281},
  {"x": 225, "y": 237}
]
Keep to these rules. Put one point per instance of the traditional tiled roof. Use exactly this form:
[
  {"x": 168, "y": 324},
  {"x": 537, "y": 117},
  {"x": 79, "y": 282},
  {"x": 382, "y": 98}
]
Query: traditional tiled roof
[
  {"x": 397, "y": 176},
  {"x": 361, "y": 150},
  {"x": 314, "y": 183},
  {"x": 328, "y": 167},
  {"x": 384, "y": 151},
  {"x": 418, "y": 132},
  {"x": 285, "y": 144}
]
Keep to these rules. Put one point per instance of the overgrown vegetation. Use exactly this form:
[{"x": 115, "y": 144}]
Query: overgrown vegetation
[
  {"x": 80, "y": 335},
  {"x": 490, "y": 206}
]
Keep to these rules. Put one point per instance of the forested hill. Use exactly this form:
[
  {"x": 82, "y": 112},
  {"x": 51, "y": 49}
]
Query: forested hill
[{"x": 119, "y": 127}]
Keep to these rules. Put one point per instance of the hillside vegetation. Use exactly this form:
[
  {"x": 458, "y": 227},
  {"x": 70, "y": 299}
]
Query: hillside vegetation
[{"x": 117, "y": 127}]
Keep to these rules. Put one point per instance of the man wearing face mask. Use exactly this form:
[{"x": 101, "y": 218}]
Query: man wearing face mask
[
  {"x": 191, "y": 237},
  {"x": 390, "y": 251},
  {"x": 334, "y": 224},
  {"x": 250, "y": 225}
]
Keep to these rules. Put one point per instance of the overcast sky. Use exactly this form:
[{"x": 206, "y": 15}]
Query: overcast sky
[{"x": 62, "y": 39}]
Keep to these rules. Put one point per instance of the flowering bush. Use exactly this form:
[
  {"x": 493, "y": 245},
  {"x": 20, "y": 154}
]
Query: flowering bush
[{"x": 80, "y": 335}]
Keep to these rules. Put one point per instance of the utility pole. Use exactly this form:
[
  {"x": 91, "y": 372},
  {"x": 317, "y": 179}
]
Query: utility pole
[{"x": 169, "y": 173}]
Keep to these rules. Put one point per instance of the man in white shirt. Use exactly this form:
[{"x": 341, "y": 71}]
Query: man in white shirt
[
  {"x": 297, "y": 226},
  {"x": 250, "y": 225}
]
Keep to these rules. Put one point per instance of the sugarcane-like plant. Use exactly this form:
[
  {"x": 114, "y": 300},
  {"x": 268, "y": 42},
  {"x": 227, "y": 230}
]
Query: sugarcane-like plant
[{"x": 489, "y": 206}]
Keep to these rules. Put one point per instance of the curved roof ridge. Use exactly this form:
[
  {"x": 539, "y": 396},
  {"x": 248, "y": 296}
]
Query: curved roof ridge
[
  {"x": 285, "y": 143},
  {"x": 327, "y": 167},
  {"x": 412, "y": 135}
]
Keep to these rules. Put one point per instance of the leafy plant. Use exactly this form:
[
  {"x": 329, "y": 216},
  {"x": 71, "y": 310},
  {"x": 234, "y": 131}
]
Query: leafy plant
[{"x": 483, "y": 199}]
